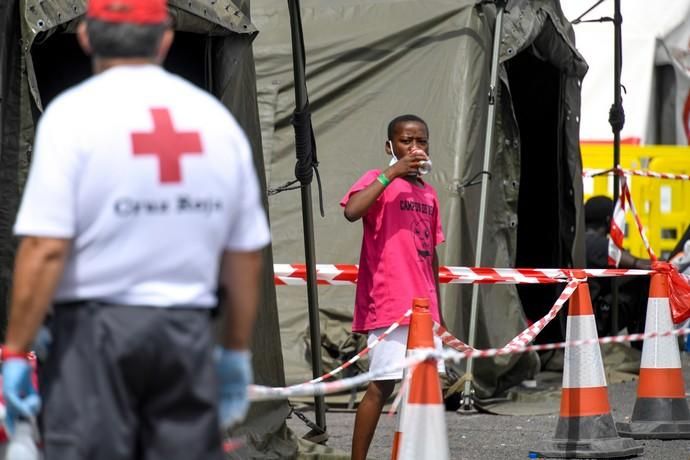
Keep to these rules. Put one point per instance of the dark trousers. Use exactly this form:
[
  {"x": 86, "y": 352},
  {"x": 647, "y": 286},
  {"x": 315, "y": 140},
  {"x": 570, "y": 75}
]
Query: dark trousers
[{"x": 129, "y": 383}]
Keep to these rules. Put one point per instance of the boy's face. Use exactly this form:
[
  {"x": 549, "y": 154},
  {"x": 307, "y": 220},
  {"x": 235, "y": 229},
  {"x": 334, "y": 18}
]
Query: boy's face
[{"x": 408, "y": 136}]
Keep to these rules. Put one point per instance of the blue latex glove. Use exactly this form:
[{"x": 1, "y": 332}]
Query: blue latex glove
[
  {"x": 21, "y": 397},
  {"x": 42, "y": 343},
  {"x": 234, "y": 375}
]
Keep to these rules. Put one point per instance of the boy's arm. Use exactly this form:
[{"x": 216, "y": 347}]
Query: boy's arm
[
  {"x": 360, "y": 202},
  {"x": 630, "y": 261},
  {"x": 438, "y": 288}
]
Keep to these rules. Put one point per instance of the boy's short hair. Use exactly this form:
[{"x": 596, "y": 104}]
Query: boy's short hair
[
  {"x": 124, "y": 40},
  {"x": 404, "y": 119}
]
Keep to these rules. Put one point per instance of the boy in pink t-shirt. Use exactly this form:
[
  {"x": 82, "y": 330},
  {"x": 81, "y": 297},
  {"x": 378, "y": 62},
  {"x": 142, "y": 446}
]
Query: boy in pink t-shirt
[{"x": 398, "y": 260}]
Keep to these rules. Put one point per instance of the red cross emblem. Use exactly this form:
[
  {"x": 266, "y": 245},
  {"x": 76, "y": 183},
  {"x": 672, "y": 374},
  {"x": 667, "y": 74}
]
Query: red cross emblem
[{"x": 167, "y": 144}]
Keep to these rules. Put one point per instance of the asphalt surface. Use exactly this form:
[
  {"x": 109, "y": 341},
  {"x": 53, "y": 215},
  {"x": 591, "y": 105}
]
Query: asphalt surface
[{"x": 482, "y": 436}]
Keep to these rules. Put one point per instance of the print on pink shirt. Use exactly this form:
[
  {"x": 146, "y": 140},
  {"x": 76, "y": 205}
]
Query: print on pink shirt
[{"x": 422, "y": 237}]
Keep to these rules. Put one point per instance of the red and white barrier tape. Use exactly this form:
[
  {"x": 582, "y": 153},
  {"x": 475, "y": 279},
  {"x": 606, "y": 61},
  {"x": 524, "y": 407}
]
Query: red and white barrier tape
[
  {"x": 263, "y": 393},
  {"x": 332, "y": 274},
  {"x": 346, "y": 274},
  {"x": 616, "y": 230},
  {"x": 640, "y": 227},
  {"x": 528, "y": 335},
  {"x": 616, "y": 233},
  {"x": 491, "y": 352},
  {"x": 362, "y": 353},
  {"x": 449, "y": 339},
  {"x": 634, "y": 172},
  {"x": 522, "y": 339}
]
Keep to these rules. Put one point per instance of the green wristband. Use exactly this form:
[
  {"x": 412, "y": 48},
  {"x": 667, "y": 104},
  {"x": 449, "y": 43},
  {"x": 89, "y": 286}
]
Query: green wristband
[{"x": 383, "y": 179}]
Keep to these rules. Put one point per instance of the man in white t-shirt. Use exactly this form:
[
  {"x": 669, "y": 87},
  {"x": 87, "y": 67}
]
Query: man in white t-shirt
[{"x": 142, "y": 202}]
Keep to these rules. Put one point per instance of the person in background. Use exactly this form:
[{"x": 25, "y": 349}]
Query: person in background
[
  {"x": 142, "y": 199},
  {"x": 398, "y": 260},
  {"x": 632, "y": 291}
]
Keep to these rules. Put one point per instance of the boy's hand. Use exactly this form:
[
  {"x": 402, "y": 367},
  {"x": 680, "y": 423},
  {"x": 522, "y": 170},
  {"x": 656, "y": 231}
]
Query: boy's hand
[{"x": 407, "y": 165}]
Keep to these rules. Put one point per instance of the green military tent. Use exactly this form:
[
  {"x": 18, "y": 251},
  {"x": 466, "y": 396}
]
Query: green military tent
[
  {"x": 39, "y": 57},
  {"x": 369, "y": 60}
]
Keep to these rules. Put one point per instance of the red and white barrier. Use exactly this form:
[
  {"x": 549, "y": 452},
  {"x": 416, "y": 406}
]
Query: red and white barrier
[
  {"x": 362, "y": 353},
  {"x": 263, "y": 393},
  {"x": 634, "y": 172},
  {"x": 638, "y": 222},
  {"x": 346, "y": 274}
]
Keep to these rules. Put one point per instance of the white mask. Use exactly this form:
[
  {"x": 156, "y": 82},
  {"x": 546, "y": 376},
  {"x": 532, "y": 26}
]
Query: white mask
[{"x": 394, "y": 159}]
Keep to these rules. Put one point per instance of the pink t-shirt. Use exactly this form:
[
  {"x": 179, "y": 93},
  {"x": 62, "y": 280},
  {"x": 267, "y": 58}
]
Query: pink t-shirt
[{"x": 401, "y": 231}]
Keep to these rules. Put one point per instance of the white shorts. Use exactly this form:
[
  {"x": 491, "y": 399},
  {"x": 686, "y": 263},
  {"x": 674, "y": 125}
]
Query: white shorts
[{"x": 391, "y": 351}]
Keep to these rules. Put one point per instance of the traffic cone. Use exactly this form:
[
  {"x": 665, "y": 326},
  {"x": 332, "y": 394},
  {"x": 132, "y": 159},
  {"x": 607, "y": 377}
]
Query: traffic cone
[
  {"x": 422, "y": 430},
  {"x": 661, "y": 411},
  {"x": 585, "y": 428}
]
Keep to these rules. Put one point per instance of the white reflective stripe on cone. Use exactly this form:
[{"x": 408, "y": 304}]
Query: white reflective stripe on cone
[
  {"x": 585, "y": 359},
  {"x": 424, "y": 433},
  {"x": 655, "y": 351}
]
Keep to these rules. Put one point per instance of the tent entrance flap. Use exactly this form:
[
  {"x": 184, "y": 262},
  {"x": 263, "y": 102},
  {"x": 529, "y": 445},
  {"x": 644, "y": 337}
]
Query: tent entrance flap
[
  {"x": 60, "y": 63},
  {"x": 536, "y": 93}
]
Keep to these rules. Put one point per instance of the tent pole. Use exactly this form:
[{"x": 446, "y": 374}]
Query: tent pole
[
  {"x": 301, "y": 101},
  {"x": 468, "y": 393},
  {"x": 616, "y": 120}
]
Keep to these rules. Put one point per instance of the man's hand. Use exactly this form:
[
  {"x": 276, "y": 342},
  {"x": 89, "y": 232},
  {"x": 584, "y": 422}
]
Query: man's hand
[
  {"x": 20, "y": 394},
  {"x": 234, "y": 374}
]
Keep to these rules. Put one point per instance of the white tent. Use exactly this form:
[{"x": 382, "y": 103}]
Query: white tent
[{"x": 655, "y": 70}]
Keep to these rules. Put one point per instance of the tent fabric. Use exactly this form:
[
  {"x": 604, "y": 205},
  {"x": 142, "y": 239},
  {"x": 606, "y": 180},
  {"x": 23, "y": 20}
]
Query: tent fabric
[
  {"x": 11, "y": 173},
  {"x": 647, "y": 28},
  {"x": 673, "y": 53},
  {"x": 370, "y": 60},
  {"x": 367, "y": 61},
  {"x": 227, "y": 71},
  {"x": 42, "y": 19}
]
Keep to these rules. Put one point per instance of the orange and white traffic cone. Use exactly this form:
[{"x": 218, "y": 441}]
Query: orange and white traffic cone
[
  {"x": 585, "y": 428},
  {"x": 422, "y": 430},
  {"x": 661, "y": 411}
]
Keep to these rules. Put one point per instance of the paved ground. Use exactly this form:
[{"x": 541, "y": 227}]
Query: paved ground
[{"x": 497, "y": 437}]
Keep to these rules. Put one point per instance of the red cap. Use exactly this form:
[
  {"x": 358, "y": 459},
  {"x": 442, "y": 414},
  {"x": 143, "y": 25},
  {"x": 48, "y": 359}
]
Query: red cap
[{"x": 128, "y": 11}]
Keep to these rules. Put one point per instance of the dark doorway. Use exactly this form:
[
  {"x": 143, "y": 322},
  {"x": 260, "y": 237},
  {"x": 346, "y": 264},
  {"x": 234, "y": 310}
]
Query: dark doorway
[
  {"x": 536, "y": 92},
  {"x": 60, "y": 63}
]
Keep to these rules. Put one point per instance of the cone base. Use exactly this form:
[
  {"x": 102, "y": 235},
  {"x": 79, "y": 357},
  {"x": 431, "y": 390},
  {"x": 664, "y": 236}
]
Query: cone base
[
  {"x": 592, "y": 436},
  {"x": 654, "y": 430},
  {"x": 586, "y": 428},
  {"x": 658, "y": 418},
  {"x": 593, "y": 448},
  {"x": 671, "y": 410}
]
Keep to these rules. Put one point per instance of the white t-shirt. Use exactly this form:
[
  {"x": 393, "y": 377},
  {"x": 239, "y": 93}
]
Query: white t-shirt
[{"x": 152, "y": 179}]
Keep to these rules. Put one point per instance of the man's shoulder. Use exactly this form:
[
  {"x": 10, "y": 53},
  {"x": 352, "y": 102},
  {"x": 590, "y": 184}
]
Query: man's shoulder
[{"x": 66, "y": 105}]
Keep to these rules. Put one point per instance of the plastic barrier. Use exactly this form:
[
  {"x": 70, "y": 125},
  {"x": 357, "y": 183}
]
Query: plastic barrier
[{"x": 662, "y": 203}]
